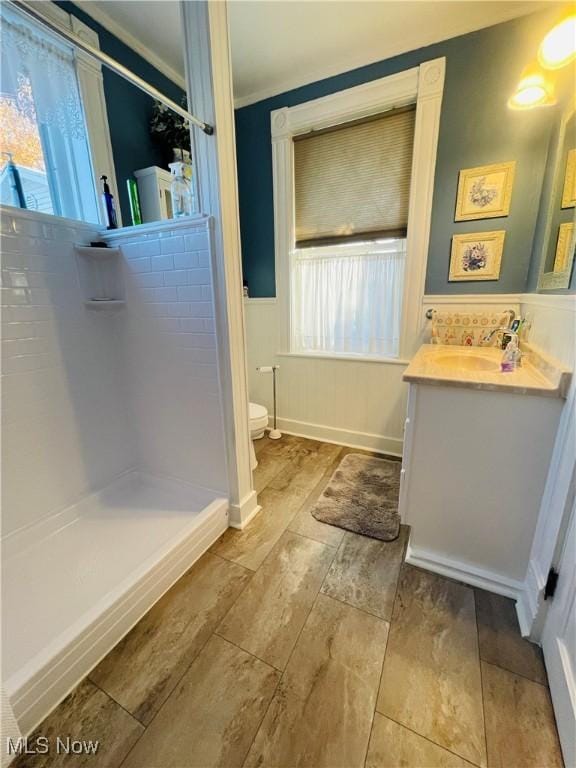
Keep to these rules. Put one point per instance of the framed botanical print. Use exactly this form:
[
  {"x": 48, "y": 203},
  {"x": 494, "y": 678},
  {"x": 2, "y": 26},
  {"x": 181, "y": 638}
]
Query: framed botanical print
[
  {"x": 569, "y": 192},
  {"x": 563, "y": 246},
  {"x": 485, "y": 192},
  {"x": 476, "y": 256}
]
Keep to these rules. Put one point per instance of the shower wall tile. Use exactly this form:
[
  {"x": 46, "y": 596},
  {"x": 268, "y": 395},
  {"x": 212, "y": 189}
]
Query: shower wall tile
[
  {"x": 65, "y": 426},
  {"x": 169, "y": 350},
  {"x": 90, "y": 394}
]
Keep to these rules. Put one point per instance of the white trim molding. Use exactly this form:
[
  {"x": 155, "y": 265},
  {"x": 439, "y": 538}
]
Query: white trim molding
[
  {"x": 366, "y": 441},
  {"x": 207, "y": 48},
  {"x": 557, "y": 501},
  {"x": 258, "y": 301},
  {"x": 464, "y": 572},
  {"x": 556, "y": 301},
  {"x": 421, "y": 85},
  {"x": 473, "y": 299}
]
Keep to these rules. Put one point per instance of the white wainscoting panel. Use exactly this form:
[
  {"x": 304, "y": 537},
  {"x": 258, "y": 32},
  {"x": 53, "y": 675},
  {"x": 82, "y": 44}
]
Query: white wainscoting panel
[{"x": 356, "y": 403}]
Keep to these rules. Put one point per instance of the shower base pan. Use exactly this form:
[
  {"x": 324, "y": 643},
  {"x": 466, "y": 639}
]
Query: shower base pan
[{"x": 75, "y": 584}]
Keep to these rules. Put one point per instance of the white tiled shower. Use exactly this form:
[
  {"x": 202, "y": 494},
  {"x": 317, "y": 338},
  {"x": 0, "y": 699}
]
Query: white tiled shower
[{"x": 114, "y": 470}]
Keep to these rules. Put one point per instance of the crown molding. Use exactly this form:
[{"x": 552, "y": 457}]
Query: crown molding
[
  {"x": 381, "y": 53},
  {"x": 131, "y": 41}
]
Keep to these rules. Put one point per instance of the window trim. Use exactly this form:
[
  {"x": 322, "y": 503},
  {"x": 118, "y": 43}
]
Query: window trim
[
  {"x": 422, "y": 85},
  {"x": 91, "y": 87}
]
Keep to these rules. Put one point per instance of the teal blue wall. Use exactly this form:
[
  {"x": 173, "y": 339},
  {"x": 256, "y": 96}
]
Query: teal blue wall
[
  {"x": 476, "y": 128},
  {"x": 129, "y": 109}
]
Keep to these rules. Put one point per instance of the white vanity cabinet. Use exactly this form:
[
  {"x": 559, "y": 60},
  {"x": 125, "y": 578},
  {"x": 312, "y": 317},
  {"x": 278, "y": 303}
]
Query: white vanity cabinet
[{"x": 473, "y": 473}]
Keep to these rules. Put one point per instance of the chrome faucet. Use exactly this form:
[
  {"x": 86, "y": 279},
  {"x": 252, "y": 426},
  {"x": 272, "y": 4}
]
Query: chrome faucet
[{"x": 504, "y": 331}]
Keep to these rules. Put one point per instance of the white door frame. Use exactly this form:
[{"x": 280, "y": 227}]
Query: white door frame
[
  {"x": 559, "y": 642},
  {"x": 208, "y": 77},
  {"x": 556, "y": 500}
]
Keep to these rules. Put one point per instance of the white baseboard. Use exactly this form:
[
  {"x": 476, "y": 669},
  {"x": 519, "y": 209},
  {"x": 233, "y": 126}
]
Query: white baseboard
[
  {"x": 528, "y": 604},
  {"x": 366, "y": 441},
  {"x": 466, "y": 573},
  {"x": 40, "y": 694},
  {"x": 241, "y": 514}
]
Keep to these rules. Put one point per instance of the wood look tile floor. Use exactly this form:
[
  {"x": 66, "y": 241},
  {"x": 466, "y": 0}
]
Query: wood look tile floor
[{"x": 294, "y": 643}]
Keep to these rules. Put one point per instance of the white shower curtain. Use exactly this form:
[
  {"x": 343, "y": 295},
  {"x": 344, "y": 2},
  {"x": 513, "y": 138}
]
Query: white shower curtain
[{"x": 347, "y": 299}]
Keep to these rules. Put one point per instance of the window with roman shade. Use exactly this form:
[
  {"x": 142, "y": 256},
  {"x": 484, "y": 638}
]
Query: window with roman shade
[
  {"x": 352, "y": 182},
  {"x": 352, "y": 189}
]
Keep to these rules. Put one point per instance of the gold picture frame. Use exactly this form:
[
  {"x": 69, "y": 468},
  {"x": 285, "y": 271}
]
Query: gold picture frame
[
  {"x": 569, "y": 192},
  {"x": 485, "y": 192},
  {"x": 563, "y": 247},
  {"x": 476, "y": 256}
]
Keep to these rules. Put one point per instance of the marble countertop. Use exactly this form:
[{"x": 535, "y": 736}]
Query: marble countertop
[{"x": 479, "y": 368}]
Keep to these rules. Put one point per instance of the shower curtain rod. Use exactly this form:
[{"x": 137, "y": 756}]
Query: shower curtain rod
[{"x": 112, "y": 64}]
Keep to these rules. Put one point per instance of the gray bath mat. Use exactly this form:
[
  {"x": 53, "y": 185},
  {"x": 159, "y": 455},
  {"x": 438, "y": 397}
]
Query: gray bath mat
[{"x": 362, "y": 496}]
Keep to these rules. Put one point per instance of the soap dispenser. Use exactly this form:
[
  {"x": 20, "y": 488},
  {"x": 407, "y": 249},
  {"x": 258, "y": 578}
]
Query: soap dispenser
[
  {"x": 109, "y": 206},
  {"x": 511, "y": 357}
]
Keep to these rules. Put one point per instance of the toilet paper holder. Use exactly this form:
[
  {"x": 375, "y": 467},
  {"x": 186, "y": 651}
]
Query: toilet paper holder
[{"x": 274, "y": 433}]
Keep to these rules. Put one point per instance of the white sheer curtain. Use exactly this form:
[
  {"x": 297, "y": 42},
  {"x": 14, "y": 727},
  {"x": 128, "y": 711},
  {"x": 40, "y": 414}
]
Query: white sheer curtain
[
  {"x": 347, "y": 299},
  {"x": 29, "y": 55},
  {"x": 39, "y": 77}
]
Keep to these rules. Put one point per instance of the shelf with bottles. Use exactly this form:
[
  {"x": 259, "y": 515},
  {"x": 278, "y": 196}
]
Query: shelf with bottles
[{"x": 156, "y": 193}]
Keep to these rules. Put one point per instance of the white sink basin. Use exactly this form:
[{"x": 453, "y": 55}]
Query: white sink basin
[
  {"x": 467, "y": 362},
  {"x": 477, "y": 368}
]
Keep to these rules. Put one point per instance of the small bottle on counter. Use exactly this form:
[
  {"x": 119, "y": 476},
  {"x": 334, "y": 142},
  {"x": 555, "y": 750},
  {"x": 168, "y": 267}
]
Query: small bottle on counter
[
  {"x": 134, "y": 199},
  {"x": 109, "y": 207},
  {"x": 181, "y": 192},
  {"x": 511, "y": 357}
]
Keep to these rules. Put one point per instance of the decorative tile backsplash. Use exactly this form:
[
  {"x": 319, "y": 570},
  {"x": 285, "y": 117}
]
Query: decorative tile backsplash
[{"x": 467, "y": 329}]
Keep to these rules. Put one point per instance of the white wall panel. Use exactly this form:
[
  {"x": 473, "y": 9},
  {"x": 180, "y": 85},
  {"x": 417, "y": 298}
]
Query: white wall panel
[
  {"x": 169, "y": 350},
  {"x": 356, "y": 402},
  {"x": 65, "y": 428},
  {"x": 90, "y": 394}
]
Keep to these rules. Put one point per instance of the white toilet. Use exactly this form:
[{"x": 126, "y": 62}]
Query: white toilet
[{"x": 258, "y": 418}]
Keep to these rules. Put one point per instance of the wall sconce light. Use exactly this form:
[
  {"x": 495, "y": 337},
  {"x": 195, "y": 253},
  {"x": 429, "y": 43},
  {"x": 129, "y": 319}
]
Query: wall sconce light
[
  {"x": 559, "y": 46},
  {"x": 533, "y": 90}
]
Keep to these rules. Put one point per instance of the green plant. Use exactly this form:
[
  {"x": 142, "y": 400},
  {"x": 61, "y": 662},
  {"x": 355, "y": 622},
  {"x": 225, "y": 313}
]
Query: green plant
[{"x": 168, "y": 128}]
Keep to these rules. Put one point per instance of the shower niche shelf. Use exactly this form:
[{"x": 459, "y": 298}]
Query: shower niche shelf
[{"x": 101, "y": 278}]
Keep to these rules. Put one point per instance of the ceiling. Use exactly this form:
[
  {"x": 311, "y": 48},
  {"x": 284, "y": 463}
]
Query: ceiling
[{"x": 282, "y": 44}]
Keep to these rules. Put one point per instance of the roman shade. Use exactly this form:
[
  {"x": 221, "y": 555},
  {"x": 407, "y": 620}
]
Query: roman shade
[{"x": 352, "y": 182}]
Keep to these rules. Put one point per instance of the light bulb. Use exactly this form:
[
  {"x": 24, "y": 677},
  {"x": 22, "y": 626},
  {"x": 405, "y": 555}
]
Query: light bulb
[
  {"x": 532, "y": 91},
  {"x": 559, "y": 46}
]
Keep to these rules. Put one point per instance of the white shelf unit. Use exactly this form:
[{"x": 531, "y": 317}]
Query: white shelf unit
[
  {"x": 155, "y": 192},
  {"x": 101, "y": 278}
]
